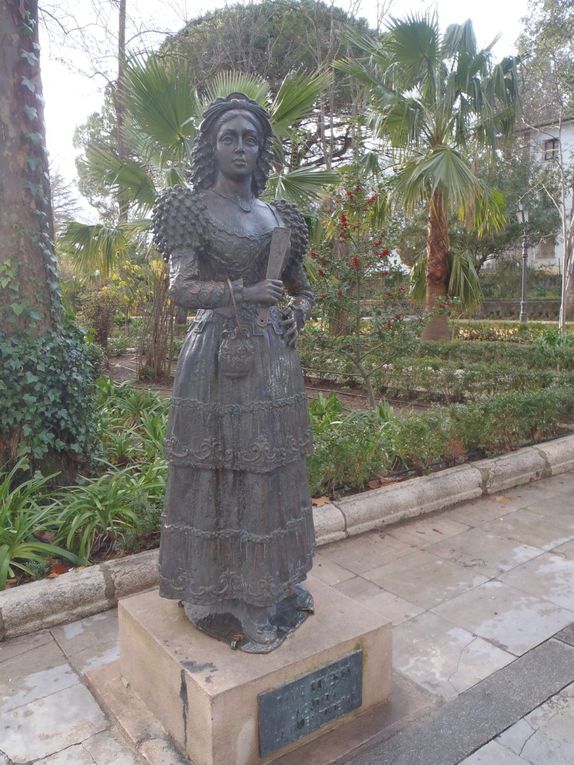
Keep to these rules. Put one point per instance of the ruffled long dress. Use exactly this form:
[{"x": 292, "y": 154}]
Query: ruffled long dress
[{"x": 238, "y": 519}]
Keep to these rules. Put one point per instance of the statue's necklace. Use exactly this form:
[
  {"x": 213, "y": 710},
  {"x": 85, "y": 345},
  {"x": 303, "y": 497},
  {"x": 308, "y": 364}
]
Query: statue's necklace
[{"x": 244, "y": 204}]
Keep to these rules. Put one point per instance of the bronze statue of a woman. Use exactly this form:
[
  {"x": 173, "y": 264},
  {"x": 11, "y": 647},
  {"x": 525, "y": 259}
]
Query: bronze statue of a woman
[{"x": 237, "y": 537}]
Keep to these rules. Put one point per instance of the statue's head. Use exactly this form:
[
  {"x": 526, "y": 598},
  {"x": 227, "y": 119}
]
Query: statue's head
[{"x": 221, "y": 111}]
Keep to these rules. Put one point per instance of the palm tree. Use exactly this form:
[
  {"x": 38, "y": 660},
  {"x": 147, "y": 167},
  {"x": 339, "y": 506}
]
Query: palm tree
[
  {"x": 437, "y": 100},
  {"x": 163, "y": 112}
]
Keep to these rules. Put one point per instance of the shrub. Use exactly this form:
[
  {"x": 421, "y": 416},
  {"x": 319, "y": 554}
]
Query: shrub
[
  {"x": 419, "y": 440},
  {"x": 47, "y": 396},
  {"x": 348, "y": 452},
  {"x": 22, "y": 519},
  {"x": 509, "y": 331}
]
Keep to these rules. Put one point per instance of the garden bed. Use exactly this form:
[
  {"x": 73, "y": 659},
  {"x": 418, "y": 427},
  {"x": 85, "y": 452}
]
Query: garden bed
[
  {"x": 115, "y": 510},
  {"x": 83, "y": 592}
]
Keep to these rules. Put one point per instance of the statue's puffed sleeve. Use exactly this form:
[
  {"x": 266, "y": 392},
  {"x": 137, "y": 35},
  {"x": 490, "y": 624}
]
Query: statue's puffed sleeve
[
  {"x": 176, "y": 218},
  {"x": 294, "y": 275}
]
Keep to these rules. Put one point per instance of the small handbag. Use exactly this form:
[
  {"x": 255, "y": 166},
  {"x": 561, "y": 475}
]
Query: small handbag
[{"x": 236, "y": 353}]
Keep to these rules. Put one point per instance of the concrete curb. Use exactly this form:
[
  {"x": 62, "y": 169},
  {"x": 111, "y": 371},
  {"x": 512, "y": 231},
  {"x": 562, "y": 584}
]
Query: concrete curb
[{"x": 84, "y": 592}]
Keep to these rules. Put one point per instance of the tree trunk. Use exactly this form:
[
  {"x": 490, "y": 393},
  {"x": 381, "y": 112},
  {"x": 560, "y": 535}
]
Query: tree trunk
[
  {"x": 437, "y": 267},
  {"x": 32, "y": 337},
  {"x": 119, "y": 100},
  {"x": 29, "y": 288}
]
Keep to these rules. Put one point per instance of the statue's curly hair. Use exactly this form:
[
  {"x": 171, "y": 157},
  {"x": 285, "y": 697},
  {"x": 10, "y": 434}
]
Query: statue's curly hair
[{"x": 203, "y": 168}]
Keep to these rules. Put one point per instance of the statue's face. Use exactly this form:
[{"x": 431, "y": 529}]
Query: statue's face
[{"x": 237, "y": 147}]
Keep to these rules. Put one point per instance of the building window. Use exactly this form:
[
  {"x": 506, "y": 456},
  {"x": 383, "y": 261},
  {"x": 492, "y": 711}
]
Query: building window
[
  {"x": 551, "y": 148},
  {"x": 547, "y": 248}
]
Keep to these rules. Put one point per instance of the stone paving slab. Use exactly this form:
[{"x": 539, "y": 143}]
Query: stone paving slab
[
  {"x": 443, "y": 658},
  {"x": 532, "y": 528},
  {"x": 506, "y": 616},
  {"x": 425, "y": 579},
  {"x": 567, "y": 634},
  {"x": 468, "y": 589},
  {"x": 544, "y": 736},
  {"x": 91, "y": 642},
  {"x": 475, "y": 717},
  {"x": 548, "y": 576},
  {"x": 493, "y": 753},
  {"x": 485, "y": 552},
  {"x": 34, "y": 675},
  {"x": 50, "y": 724}
]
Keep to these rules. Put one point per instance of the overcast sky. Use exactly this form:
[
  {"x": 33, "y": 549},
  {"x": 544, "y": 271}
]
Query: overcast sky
[{"x": 74, "y": 79}]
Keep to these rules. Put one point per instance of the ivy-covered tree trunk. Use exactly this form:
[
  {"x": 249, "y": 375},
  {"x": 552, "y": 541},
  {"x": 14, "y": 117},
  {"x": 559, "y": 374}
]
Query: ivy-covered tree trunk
[
  {"x": 47, "y": 375},
  {"x": 437, "y": 266},
  {"x": 30, "y": 291}
]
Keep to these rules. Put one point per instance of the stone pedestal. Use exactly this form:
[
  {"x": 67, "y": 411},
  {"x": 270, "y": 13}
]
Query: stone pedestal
[{"x": 208, "y": 697}]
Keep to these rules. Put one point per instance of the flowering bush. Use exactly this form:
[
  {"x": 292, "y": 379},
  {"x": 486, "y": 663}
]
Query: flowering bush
[{"x": 361, "y": 286}]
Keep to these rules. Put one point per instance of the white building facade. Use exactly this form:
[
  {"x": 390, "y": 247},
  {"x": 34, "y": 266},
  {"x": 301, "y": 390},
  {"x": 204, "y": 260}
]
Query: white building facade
[{"x": 552, "y": 143}]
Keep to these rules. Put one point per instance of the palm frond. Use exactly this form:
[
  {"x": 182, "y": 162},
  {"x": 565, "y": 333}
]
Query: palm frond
[
  {"x": 459, "y": 39},
  {"x": 414, "y": 43},
  {"x": 442, "y": 168},
  {"x": 94, "y": 247},
  {"x": 123, "y": 176},
  {"x": 300, "y": 186},
  {"x": 489, "y": 211},
  {"x": 366, "y": 75},
  {"x": 224, "y": 83},
  {"x": 463, "y": 281},
  {"x": 296, "y": 97},
  {"x": 163, "y": 104}
]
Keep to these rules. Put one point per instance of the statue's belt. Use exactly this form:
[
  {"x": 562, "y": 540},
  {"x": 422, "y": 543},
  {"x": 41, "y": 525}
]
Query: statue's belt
[{"x": 225, "y": 320}]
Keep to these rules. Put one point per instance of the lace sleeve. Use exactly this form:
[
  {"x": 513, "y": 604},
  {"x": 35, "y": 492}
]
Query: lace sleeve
[
  {"x": 188, "y": 290},
  {"x": 294, "y": 275}
]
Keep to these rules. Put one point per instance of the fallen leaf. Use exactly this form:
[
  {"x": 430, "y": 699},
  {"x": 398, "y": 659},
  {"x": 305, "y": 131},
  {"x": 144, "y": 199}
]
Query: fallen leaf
[
  {"x": 56, "y": 570},
  {"x": 320, "y": 501},
  {"x": 45, "y": 536},
  {"x": 374, "y": 484}
]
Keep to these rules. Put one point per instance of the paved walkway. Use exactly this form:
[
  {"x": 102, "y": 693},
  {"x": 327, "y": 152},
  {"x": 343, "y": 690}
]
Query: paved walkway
[{"x": 482, "y": 601}]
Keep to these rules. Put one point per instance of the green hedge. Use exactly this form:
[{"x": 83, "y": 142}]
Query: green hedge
[
  {"x": 492, "y": 426},
  {"x": 533, "y": 355},
  {"x": 120, "y": 508},
  {"x": 509, "y": 331}
]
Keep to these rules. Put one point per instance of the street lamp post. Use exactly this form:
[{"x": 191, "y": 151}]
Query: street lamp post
[{"x": 523, "y": 213}]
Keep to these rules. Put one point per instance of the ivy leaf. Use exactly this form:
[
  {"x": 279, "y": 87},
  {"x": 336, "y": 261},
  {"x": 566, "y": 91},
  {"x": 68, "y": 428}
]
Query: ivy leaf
[
  {"x": 30, "y": 84},
  {"x": 34, "y": 188},
  {"x": 35, "y": 138},
  {"x": 18, "y": 308},
  {"x": 30, "y": 57},
  {"x": 31, "y": 112}
]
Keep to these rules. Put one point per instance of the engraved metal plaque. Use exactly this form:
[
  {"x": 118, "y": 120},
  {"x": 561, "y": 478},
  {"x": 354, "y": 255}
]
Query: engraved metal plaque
[{"x": 298, "y": 708}]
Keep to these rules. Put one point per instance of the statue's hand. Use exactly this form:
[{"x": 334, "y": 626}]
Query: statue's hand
[
  {"x": 289, "y": 322},
  {"x": 268, "y": 292}
]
